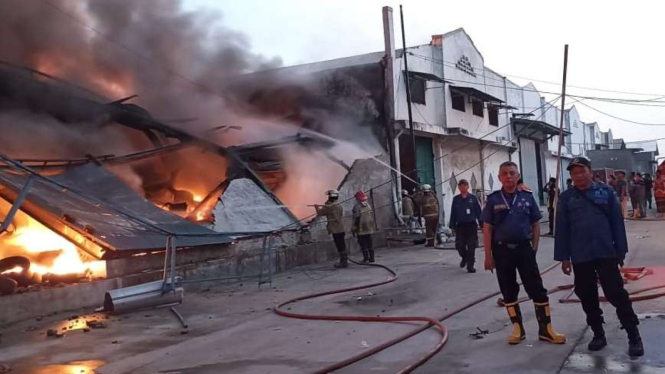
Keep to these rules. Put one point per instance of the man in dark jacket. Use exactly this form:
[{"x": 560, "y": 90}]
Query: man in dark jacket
[
  {"x": 464, "y": 219},
  {"x": 648, "y": 190},
  {"x": 590, "y": 234}
]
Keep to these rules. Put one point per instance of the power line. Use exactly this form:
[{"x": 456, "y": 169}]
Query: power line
[
  {"x": 453, "y": 64},
  {"x": 622, "y": 119}
]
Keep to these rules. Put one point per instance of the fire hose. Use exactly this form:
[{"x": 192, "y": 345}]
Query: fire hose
[{"x": 628, "y": 274}]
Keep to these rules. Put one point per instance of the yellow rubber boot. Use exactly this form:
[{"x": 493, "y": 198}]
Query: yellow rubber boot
[
  {"x": 545, "y": 330},
  {"x": 515, "y": 315}
]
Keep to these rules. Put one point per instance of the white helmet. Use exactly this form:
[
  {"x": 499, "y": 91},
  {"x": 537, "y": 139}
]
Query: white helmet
[
  {"x": 405, "y": 192},
  {"x": 426, "y": 187},
  {"x": 332, "y": 193}
]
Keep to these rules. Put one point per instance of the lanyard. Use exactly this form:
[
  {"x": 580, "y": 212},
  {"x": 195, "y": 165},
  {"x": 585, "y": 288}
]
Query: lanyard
[{"x": 510, "y": 206}]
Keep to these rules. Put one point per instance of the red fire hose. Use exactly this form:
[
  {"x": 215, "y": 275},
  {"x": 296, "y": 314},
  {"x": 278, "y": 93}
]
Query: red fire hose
[
  {"x": 629, "y": 274},
  {"x": 431, "y": 322}
]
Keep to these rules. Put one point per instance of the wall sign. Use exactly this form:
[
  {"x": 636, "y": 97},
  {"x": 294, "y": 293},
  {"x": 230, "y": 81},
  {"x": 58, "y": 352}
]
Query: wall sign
[{"x": 465, "y": 65}]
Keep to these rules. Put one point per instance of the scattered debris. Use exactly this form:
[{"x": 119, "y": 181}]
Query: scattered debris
[
  {"x": 52, "y": 333},
  {"x": 184, "y": 332},
  {"x": 364, "y": 344},
  {"x": 86, "y": 329},
  {"x": 95, "y": 324},
  {"x": 115, "y": 342},
  {"x": 479, "y": 334}
]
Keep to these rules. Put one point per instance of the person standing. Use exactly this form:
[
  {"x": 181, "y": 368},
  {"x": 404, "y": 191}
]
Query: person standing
[
  {"x": 552, "y": 191},
  {"x": 648, "y": 191},
  {"x": 511, "y": 233},
  {"x": 363, "y": 226},
  {"x": 659, "y": 192},
  {"x": 591, "y": 240},
  {"x": 334, "y": 213},
  {"x": 622, "y": 192},
  {"x": 464, "y": 220},
  {"x": 613, "y": 183},
  {"x": 429, "y": 209},
  {"x": 408, "y": 211},
  {"x": 637, "y": 196}
]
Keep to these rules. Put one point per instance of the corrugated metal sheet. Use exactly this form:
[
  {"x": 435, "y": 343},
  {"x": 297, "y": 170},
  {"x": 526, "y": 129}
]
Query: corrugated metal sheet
[{"x": 96, "y": 204}]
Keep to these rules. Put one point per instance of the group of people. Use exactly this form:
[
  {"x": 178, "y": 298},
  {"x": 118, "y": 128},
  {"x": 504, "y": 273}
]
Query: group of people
[
  {"x": 363, "y": 226},
  {"x": 590, "y": 242}
]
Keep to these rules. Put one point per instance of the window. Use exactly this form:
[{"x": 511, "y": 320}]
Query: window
[
  {"x": 477, "y": 108},
  {"x": 417, "y": 86},
  {"x": 458, "y": 102},
  {"x": 493, "y": 114}
]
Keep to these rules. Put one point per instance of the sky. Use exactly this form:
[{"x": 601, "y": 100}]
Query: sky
[{"x": 613, "y": 45}]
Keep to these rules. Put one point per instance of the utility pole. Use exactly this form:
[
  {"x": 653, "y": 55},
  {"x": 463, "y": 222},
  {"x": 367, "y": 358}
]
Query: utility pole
[
  {"x": 408, "y": 99},
  {"x": 559, "y": 170}
]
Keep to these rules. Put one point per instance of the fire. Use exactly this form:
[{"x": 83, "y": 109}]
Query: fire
[{"x": 48, "y": 252}]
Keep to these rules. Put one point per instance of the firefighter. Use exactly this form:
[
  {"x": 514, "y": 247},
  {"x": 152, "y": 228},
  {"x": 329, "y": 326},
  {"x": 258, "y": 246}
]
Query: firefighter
[
  {"x": 429, "y": 209},
  {"x": 363, "y": 226},
  {"x": 464, "y": 219},
  {"x": 591, "y": 240},
  {"x": 511, "y": 233},
  {"x": 334, "y": 212},
  {"x": 408, "y": 211}
]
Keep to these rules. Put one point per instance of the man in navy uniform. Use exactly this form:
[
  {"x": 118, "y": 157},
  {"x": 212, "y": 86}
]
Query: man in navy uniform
[
  {"x": 511, "y": 233},
  {"x": 464, "y": 219},
  {"x": 591, "y": 239}
]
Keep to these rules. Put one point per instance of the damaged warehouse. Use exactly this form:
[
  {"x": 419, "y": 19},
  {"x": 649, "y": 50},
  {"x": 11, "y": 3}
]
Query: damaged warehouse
[{"x": 107, "y": 215}]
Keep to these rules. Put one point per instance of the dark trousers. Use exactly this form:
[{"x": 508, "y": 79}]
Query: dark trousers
[
  {"x": 340, "y": 243},
  {"x": 431, "y": 225},
  {"x": 551, "y": 219},
  {"x": 648, "y": 198},
  {"x": 365, "y": 242},
  {"x": 510, "y": 259},
  {"x": 606, "y": 270},
  {"x": 466, "y": 242}
]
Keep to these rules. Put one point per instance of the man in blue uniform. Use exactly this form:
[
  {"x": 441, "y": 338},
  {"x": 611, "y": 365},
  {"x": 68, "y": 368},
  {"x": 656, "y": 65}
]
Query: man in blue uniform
[
  {"x": 464, "y": 219},
  {"x": 590, "y": 233},
  {"x": 511, "y": 234}
]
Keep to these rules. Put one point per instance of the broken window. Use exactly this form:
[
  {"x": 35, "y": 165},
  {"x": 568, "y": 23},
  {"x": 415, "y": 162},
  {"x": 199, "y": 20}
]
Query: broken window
[
  {"x": 493, "y": 114},
  {"x": 458, "y": 102},
  {"x": 417, "y": 86},
  {"x": 477, "y": 108}
]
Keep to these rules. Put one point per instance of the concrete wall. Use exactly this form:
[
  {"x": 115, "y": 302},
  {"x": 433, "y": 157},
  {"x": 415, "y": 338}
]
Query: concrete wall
[{"x": 577, "y": 129}]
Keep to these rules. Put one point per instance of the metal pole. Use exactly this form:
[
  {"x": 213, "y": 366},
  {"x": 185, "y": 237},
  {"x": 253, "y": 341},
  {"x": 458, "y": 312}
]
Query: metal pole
[
  {"x": 559, "y": 170},
  {"x": 408, "y": 98}
]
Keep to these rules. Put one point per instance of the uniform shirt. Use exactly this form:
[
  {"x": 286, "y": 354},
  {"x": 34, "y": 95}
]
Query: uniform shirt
[
  {"x": 429, "y": 205},
  {"x": 334, "y": 213},
  {"x": 511, "y": 215},
  {"x": 465, "y": 210},
  {"x": 363, "y": 219},
  {"x": 585, "y": 232},
  {"x": 407, "y": 206}
]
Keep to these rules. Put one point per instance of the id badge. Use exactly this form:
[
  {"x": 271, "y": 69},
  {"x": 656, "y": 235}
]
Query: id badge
[{"x": 468, "y": 211}]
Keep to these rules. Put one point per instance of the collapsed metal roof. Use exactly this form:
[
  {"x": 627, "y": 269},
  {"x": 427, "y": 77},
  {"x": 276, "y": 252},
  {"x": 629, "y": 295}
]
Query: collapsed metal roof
[{"x": 89, "y": 204}]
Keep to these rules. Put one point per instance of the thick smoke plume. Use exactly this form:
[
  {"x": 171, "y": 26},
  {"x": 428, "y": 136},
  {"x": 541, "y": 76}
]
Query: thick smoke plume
[{"x": 184, "y": 67}]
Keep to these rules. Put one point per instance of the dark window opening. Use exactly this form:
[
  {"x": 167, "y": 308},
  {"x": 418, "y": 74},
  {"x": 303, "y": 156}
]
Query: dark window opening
[
  {"x": 458, "y": 102},
  {"x": 418, "y": 86},
  {"x": 493, "y": 114},
  {"x": 477, "y": 108}
]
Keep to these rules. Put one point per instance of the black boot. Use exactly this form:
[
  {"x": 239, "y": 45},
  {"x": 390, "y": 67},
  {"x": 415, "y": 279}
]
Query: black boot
[
  {"x": 635, "y": 347},
  {"x": 598, "y": 342},
  {"x": 545, "y": 330},
  {"x": 371, "y": 256},
  {"x": 343, "y": 261},
  {"x": 365, "y": 256}
]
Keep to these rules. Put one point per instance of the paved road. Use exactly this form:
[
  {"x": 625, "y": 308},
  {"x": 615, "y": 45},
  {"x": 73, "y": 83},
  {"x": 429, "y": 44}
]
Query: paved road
[{"x": 233, "y": 330}]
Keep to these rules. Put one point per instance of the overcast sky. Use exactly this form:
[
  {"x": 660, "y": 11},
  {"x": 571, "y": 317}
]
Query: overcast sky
[{"x": 614, "y": 45}]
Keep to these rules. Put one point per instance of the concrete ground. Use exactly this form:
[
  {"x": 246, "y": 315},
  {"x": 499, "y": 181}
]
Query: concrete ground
[{"x": 232, "y": 328}]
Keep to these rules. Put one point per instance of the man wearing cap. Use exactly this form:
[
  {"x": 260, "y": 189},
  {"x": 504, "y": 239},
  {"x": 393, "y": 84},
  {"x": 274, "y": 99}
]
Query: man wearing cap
[
  {"x": 335, "y": 213},
  {"x": 591, "y": 240},
  {"x": 464, "y": 219},
  {"x": 429, "y": 209},
  {"x": 511, "y": 234}
]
